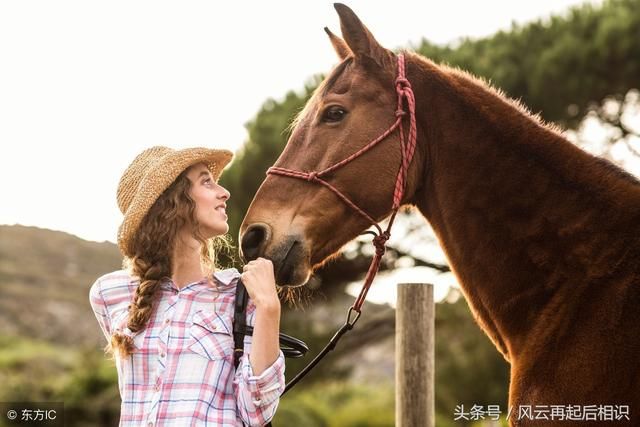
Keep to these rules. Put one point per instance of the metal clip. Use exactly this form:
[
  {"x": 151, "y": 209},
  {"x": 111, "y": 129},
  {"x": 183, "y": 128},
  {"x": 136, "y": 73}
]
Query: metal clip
[{"x": 353, "y": 321}]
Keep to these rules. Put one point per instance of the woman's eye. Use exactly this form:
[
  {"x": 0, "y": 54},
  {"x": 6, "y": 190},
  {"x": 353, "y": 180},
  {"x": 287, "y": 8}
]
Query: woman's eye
[{"x": 334, "y": 114}]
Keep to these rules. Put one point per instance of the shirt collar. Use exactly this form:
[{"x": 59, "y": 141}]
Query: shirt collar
[
  {"x": 223, "y": 279},
  {"x": 226, "y": 279}
]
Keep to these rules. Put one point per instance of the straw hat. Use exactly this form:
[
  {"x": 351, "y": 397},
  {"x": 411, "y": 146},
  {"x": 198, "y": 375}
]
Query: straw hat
[{"x": 150, "y": 174}]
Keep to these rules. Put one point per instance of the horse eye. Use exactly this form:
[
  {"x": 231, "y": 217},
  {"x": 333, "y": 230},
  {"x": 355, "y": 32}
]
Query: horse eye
[{"x": 333, "y": 114}]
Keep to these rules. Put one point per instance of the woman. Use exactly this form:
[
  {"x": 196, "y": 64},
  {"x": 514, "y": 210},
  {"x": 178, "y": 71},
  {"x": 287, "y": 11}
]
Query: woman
[{"x": 168, "y": 316}]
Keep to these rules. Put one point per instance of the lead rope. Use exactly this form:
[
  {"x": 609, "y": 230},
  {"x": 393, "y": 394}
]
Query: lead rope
[
  {"x": 407, "y": 148},
  {"x": 290, "y": 346},
  {"x": 239, "y": 326}
]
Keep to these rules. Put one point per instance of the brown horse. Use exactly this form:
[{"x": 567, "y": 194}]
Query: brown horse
[{"x": 542, "y": 236}]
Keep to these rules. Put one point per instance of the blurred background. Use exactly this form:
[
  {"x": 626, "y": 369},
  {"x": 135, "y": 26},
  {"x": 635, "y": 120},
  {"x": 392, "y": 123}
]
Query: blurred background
[{"x": 84, "y": 87}]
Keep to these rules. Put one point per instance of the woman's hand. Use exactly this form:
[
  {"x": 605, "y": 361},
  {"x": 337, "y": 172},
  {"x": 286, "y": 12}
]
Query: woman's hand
[{"x": 259, "y": 280}]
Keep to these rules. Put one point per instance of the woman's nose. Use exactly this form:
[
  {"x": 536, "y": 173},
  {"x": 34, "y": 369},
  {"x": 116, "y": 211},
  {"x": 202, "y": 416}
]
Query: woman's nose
[{"x": 224, "y": 194}]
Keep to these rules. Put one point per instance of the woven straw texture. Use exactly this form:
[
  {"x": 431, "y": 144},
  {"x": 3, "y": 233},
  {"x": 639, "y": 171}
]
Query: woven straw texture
[{"x": 150, "y": 174}]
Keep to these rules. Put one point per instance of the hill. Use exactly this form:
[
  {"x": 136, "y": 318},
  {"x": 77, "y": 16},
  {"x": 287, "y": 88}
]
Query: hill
[{"x": 45, "y": 278}]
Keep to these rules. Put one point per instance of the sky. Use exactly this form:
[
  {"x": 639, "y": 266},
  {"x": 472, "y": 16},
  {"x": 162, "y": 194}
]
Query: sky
[{"x": 86, "y": 85}]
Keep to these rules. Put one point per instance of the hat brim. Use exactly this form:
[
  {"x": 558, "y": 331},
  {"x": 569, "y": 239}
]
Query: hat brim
[{"x": 159, "y": 178}]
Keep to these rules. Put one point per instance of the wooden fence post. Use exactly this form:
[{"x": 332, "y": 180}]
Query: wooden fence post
[{"x": 415, "y": 323}]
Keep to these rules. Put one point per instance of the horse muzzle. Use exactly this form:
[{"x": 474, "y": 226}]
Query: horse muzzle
[{"x": 289, "y": 254}]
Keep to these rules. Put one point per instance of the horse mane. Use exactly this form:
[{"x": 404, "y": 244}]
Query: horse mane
[
  {"x": 494, "y": 102},
  {"x": 495, "y": 107}
]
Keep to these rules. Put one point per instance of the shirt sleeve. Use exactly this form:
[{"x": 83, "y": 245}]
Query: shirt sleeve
[
  {"x": 258, "y": 396},
  {"x": 99, "y": 308}
]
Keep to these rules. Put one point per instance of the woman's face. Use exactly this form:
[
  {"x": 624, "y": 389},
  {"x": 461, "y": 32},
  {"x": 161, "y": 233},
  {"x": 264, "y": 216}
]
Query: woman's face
[{"x": 210, "y": 201}]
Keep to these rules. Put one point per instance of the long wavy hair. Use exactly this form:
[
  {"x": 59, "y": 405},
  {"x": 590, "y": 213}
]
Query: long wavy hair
[{"x": 152, "y": 248}]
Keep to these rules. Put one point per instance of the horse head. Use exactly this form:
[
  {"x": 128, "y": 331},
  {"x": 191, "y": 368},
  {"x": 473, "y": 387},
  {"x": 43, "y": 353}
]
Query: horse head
[{"x": 299, "y": 224}]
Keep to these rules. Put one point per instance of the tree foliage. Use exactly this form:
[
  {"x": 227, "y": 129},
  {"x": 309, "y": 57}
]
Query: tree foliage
[{"x": 559, "y": 66}]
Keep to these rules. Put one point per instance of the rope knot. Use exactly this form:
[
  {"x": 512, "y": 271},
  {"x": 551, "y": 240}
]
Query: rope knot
[
  {"x": 312, "y": 176},
  {"x": 402, "y": 82},
  {"x": 380, "y": 241},
  {"x": 400, "y": 113}
]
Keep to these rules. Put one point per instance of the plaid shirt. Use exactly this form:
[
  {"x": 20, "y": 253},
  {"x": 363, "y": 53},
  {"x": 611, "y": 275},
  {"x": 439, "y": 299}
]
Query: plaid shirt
[{"x": 181, "y": 372}]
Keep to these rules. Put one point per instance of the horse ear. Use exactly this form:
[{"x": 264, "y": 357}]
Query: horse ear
[
  {"x": 339, "y": 45},
  {"x": 359, "y": 39}
]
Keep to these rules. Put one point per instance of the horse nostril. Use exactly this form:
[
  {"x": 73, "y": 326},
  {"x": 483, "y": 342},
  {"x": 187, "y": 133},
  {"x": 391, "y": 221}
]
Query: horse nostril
[{"x": 253, "y": 241}]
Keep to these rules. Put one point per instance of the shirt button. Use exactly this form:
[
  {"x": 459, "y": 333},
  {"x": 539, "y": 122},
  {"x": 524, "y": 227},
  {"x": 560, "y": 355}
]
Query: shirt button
[
  {"x": 157, "y": 387},
  {"x": 166, "y": 321},
  {"x": 162, "y": 354},
  {"x": 150, "y": 424}
]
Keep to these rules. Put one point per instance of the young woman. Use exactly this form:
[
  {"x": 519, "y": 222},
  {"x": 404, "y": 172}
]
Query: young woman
[{"x": 168, "y": 316}]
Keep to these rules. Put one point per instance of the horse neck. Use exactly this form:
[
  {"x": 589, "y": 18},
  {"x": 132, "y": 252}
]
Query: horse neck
[{"x": 526, "y": 219}]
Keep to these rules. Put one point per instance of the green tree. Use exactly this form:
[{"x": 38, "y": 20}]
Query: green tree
[{"x": 560, "y": 66}]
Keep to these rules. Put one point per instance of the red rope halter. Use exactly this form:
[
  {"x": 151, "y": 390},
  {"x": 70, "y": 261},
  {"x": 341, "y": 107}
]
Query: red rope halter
[{"x": 407, "y": 149}]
